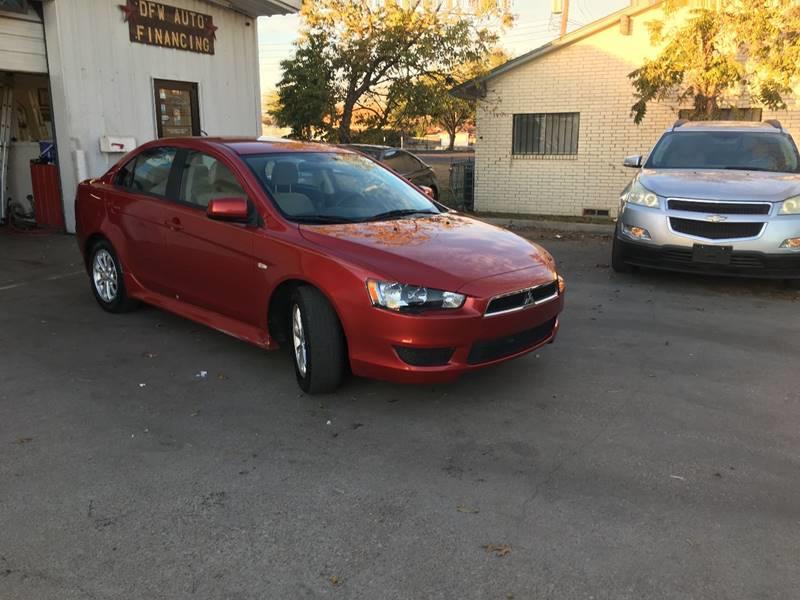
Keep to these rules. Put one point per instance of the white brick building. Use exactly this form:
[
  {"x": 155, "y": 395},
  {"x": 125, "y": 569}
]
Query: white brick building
[{"x": 578, "y": 87}]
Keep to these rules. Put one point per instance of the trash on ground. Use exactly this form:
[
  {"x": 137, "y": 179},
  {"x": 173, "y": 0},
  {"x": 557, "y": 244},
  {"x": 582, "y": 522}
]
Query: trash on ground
[
  {"x": 500, "y": 550},
  {"x": 141, "y": 385},
  {"x": 468, "y": 510},
  {"x": 201, "y": 374},
  {"x": 149, "y": 355},
  {"x": 678, "y": 477}
]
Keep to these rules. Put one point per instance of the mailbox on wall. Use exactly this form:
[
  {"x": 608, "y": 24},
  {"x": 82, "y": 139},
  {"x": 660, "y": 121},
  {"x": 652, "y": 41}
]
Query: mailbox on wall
[{"x": 117, "y": 144}]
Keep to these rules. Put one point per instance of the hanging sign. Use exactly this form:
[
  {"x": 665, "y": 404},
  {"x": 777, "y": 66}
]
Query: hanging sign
[{"x": 158, "y": 24}]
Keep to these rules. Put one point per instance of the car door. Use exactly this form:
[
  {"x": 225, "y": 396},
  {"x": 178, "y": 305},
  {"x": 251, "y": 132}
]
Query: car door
[
  {"x": 212, "y": 263},
  {"x": 136, "y": 204}
]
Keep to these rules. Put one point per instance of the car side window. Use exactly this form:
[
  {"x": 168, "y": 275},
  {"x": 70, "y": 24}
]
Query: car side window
[
  {"x": 205, "y": 179},
  {"x": 402, "y": 162},
  {"x": 124, "y": 176},
  {"x": 151, "y": 171}
]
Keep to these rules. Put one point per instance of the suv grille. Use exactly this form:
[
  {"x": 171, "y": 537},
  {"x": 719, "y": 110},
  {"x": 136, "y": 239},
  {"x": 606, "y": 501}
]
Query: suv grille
[
  {"x": 715, "y": 231},
  {"x": 510, "y": 344},
  {"x": 523, "y": 298},
  {"x": 720, "y": 208}
]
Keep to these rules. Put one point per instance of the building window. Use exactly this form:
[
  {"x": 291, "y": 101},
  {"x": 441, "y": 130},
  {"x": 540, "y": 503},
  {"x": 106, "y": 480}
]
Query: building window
[
  {"x": 548, "y": 134},
  {"x": 14, "y": 5},
  {"x": 726, "y": 114},
  {"x": 177, "y": 108}
]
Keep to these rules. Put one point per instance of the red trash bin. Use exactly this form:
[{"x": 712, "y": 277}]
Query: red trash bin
[{"x": 47, "y": 205}]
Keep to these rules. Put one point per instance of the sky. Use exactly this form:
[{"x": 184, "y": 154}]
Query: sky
[{"x": 533, "y": 27}]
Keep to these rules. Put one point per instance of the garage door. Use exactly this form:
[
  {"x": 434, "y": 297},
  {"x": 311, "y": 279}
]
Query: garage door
[{"x": 22, "y": 43}]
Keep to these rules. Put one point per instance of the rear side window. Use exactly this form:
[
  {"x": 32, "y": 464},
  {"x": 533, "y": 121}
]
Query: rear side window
[
  {"x": 205, "y": 179},
  {"x": 148, "y": 173},
  {"x": 402, "y": 162}
]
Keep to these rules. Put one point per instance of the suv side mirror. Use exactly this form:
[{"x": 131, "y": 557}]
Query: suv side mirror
[
  {"x": 633, "y": 161},
  {"x": 228, "y": 209}
]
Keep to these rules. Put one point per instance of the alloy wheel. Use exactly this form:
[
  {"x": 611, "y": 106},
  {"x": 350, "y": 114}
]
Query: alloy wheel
[
  {"x": 299, "y": 341},
  {"x": 104, "y": 275}
]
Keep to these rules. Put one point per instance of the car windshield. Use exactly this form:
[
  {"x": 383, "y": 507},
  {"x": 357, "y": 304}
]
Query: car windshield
[
  {"x": 736, "y": 150},
  {"x": 336, "y": 187}
]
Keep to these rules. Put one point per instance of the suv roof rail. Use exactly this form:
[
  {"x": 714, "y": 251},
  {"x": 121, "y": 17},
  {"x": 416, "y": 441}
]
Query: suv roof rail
[
  {"x": 679, "y": 123},
  {"x": 775, "y": 123}
]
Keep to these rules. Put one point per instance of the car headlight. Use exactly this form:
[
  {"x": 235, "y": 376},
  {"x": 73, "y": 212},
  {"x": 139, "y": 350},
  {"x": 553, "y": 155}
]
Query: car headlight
[
  {"x": 409, "y": 298},
  {"x": 638, "y": 194},
  {"x": 790, "y": 206}
]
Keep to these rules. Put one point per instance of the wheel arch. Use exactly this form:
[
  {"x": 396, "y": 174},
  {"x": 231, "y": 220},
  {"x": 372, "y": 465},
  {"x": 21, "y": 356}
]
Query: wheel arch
[{"x": 278, "y": 308}]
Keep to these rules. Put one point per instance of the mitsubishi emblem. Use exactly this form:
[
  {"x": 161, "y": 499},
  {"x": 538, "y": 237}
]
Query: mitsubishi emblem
[{"x": 529, "y": 298}]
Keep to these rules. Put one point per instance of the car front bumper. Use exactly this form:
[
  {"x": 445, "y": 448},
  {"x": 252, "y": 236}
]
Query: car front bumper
[
  {"x": 459, "y": 342},
  {"x": 756, "y": 256}
]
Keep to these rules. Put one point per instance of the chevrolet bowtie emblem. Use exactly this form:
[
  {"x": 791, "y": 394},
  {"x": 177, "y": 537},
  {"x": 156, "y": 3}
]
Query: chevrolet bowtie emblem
[{"x": 716, "y": 218}]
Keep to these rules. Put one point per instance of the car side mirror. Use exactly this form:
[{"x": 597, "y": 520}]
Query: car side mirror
[
  {"x": 633, "y": 162},
  {"x": 228, "y": 209},
  {"x": 428, "y": 190}
]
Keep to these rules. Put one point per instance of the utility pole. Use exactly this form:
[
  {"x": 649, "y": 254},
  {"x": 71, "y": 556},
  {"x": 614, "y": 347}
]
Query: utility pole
[{"x": 564, "y": 17}]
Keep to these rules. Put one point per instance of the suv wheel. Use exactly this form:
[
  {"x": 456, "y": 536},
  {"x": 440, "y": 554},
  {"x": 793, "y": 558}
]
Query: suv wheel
[
  {"x": 108, "y": 284},
  {"x": 317, "y": 342},
  {"x": 618, "y": 257}
]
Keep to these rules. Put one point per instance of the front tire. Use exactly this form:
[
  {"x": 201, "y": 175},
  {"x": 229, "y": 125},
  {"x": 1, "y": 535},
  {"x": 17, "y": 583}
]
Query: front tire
[
  {"x": 618, "y": 257},
  {"x": 108, "y": 284},
  {"x": 317, "y": 342}
]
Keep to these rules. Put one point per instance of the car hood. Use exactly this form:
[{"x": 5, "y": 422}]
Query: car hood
[
  {"x": 721, "y": 185},
  {"x": 445, "y": 251}
]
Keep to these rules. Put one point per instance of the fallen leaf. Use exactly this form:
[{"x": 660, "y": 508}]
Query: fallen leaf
[
  {"x": 23, "y": 440},
  {"x": 222, "y": 376},
  {"x": 468, "y": 510},
  {"x": 500, "y": 550},
  {"x": 334, "y": 579}
]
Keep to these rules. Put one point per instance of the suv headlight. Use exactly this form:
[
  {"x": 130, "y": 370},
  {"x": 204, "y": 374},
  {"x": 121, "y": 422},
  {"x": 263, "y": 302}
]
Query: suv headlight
[
  {"x": 790, "y": 206},
  {"x": 403, "y": 297},
  {"x": 638, "y": 194}
]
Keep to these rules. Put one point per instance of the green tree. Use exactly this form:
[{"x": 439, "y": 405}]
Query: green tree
[
  {"x": 366, "y": 49},
  {"x": 431, "y": 96},
  {"x": 306, "y": 100},
  {"x": 721, "y": 49}
]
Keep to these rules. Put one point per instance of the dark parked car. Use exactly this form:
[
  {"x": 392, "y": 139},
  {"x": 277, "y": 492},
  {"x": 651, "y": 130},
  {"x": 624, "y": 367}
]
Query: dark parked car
[{"x": 403, "y": 162}]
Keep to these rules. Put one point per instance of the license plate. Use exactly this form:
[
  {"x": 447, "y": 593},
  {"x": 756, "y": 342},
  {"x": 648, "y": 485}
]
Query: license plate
[{"x": 716, "y": 255}]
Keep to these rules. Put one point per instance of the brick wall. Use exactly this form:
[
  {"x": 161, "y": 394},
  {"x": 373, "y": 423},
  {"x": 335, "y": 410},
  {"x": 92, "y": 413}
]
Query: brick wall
[{"x": 590, "y": 77}]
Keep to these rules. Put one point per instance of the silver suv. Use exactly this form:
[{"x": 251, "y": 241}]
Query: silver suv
[{"x": 714, "y": 197}]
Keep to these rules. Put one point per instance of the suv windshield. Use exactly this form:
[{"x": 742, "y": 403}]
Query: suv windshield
[
  {"x": 738, "y": 150},
  {"x": 334, "y": 187}
]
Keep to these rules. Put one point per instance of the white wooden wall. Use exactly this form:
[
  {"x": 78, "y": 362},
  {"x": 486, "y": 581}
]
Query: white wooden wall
[
  {"x": 102, "y": 83},
  {"x": 22, "y": 43}
]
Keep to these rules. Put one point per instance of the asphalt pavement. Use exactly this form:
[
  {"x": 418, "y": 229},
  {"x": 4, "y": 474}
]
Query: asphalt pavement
[{"x": 653, "y": 451}]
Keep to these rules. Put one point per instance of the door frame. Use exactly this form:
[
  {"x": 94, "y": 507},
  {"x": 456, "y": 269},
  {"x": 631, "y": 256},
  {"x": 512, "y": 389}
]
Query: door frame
[{"x": 194, "y": 95}]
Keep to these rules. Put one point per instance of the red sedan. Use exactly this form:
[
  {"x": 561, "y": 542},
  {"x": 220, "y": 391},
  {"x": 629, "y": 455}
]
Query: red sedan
[{"x": 317, "y": 248}]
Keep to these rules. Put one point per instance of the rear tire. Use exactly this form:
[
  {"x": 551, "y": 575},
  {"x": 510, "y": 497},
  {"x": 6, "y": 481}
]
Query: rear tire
[
  {"x": 107, "y": 280},
  {"x": 317, "y": 343},
  {"x": 618, "y": 257}
]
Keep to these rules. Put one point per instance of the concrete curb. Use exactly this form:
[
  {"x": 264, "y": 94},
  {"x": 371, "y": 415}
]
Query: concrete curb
[{"x": 511, "y": 223}]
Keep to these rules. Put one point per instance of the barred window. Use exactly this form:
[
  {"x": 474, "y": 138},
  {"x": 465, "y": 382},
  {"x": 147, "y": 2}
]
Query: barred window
[{"x": 546, "y": 133}]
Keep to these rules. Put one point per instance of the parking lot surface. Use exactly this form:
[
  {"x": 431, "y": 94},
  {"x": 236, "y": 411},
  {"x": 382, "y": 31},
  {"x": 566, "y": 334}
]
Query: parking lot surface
[{"x": 653, "y": 451}]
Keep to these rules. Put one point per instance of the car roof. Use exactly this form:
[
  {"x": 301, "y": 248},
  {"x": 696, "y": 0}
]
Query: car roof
[
  {"x": 253, "y": 145},
  {"x": 725, "y": 126}
]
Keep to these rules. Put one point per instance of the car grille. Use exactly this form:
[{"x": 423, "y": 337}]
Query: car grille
[
  {"x": 501, "y": 347},
  {"x": 522, "y": 299},
  {"x": 720, "y": 208},
  {"x": 755, "y": 264},
  {"x": 715, "y": 231}
]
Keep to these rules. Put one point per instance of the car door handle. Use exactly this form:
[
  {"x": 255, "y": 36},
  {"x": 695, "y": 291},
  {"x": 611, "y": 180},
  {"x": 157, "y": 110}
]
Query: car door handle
[
  {"x": 174, "y": 224},
  {"x": 114, "y": 208}
]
